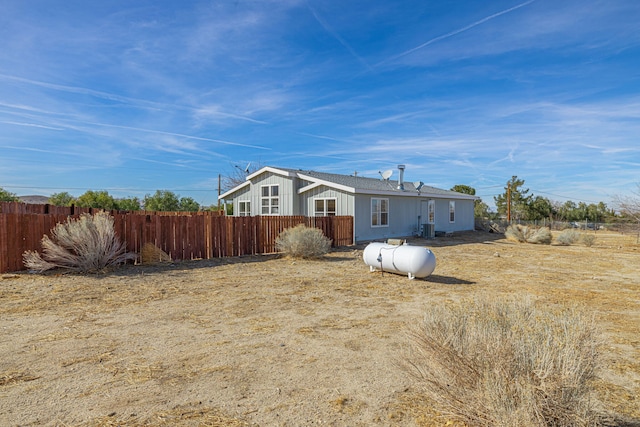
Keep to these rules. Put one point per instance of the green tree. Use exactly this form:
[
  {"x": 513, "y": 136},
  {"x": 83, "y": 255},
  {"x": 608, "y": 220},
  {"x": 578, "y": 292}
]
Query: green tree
[
  {"x": 128, "y": 204},
  {"x": 464, "y": 189},
  {"x": 168, "y": 201},
  {"x": 6, "y": 196},
  {"x": 520, "y": 199},
  {"x": 97, "y": 199},
  {"x": 540, "y": 208},
  {"x": 61, "y": 199},
  {"x": 187, "y": 204}
]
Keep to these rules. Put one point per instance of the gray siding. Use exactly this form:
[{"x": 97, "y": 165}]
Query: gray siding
[
  {"x": 464, "y": 219},
  {"x": 344, "y": 201},
  {"x": 404, "y": 217},
  {"x": 288, "y": 195}
]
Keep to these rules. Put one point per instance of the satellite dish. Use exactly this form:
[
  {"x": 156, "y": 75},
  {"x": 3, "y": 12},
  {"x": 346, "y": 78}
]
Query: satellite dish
[
  {"x": 418, "y": 185},
  {"x": 386, "y": 174},
  {"x": 247, "y": 168}
]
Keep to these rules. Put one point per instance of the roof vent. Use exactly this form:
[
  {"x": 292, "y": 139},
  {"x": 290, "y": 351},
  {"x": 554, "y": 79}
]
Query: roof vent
[{"x": 401, "y": 177}]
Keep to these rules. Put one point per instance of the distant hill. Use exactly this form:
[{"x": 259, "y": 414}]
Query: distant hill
[{"x": 34, "y": 200}]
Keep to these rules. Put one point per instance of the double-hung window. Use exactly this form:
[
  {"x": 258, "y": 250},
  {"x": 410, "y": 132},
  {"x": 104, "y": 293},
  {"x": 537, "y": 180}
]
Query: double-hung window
[
  {"x": 244, "y": 208},
  {"x": 269, "y": 200},
  {"x": 452, "y": 211},
  {"x": 379, "y": 212},
  {"x": 325, "y": 207}
]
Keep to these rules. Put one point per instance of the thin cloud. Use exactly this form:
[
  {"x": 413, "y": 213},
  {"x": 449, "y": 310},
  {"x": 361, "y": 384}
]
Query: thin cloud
[
  {"x": 337, "y": 36},
  {"x": 453, "y": 33},
  {"x": 30, "y": 125},
  {"x": 135, "y": 102}
]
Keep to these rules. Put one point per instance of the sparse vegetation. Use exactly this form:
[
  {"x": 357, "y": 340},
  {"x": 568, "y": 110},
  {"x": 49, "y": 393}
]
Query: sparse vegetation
[
  {"x": 506, "y": 363},
  {"x": 303, "y": 242},
  {"x": 588, "y": 239},
  {"x": 524, "y": 234},
  {"x": 86, "y": 244},
  {"x": 6, "y": 196},
  {"x": 568, "y": 236}
]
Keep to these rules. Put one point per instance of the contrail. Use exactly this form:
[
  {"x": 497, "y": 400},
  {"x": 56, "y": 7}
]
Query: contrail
[
  {"x": 335, "y": 35},
  {"x": 455, "y": 32},
  {"x": 139, "y": 103}
]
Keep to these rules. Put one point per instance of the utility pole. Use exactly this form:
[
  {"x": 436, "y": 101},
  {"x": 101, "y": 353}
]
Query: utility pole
[
  {"x": 509, "y": 202},
  {"x": 219, "y": 191}
]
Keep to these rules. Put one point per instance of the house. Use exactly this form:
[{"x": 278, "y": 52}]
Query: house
[{"x": 382, "y": 208}]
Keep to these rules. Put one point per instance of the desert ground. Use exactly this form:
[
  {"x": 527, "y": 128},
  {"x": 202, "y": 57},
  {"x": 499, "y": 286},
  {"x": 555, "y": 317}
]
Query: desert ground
[{"x": 272, "y": 341}]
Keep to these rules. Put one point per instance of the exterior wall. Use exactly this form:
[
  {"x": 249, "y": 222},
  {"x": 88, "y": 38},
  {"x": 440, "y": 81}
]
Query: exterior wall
[
  {"x": 464, "y": 216},
  {"x": 344, "y": 201},
  {"x": 243, "y": 195},
  {"x": 404, "y": 218},
  {"x": 287, "y": 194}
]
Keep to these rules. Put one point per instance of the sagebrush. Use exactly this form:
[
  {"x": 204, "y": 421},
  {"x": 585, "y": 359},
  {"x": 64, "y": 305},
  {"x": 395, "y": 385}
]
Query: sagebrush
[
  {"x": 588, "y": 239},
  {"x": 86, "y": 244},
  {"x": 568, "y": 236},
  {"x": 524, "y": 234},
  {"x": 303, "y": 242},
  {"x": 506, "y": 363}
]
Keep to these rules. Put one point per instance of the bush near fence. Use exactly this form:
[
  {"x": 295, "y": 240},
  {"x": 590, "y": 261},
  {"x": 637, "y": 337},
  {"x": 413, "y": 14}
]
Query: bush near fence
[{"x": 182, "y": 235}]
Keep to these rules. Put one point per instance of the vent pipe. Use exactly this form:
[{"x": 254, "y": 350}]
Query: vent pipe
[{"x": 401, "y": 177}]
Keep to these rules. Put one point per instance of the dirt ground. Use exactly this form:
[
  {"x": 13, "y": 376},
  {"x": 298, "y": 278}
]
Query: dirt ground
[{"x": 270, "y": 341}]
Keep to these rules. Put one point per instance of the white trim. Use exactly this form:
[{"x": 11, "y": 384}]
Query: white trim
[
  {"x": 309, "y": 187},
  {"x": 245, "y": 203},
  {"x": 452, "y": 203},
  {"x": 233, "y": 190},
  {"x": 317, "y": 181},
  {"x": 325, "y": 199},
  {"x": 381, "y": 212},
  {"x": 270, "y": 169},
  {"x": 270, "y": 197}
]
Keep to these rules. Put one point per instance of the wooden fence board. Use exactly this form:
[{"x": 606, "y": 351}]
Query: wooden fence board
[{"x": 187, "y": 236}]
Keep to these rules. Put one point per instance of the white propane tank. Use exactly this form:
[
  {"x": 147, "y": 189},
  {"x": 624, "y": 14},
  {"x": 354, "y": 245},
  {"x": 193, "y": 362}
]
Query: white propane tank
[{"x": 415, "y": 261}]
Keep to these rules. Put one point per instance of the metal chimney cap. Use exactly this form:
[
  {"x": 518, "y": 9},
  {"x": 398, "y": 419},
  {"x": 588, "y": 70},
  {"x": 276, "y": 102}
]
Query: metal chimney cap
[{"x": 401, "y": 166}]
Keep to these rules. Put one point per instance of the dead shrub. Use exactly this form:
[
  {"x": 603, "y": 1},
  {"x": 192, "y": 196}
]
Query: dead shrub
[
  {"x": 86, "y": 244},
  {"x": 151, "y": 254},
  {"x": 524, "y": 234},
  {"x": 568, "y": 236},
  {"x": 588, "y": 239},
  {"x": 506, "y": 363},
  {"x": 303, "y": 242}
]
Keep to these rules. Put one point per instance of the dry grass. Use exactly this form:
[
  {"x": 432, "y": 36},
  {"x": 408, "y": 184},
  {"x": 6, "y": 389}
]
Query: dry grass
[
  {"x": 503, "y": 362},
  {"x": 267, "y": 340},
  {"x": 151, "y": 254}
]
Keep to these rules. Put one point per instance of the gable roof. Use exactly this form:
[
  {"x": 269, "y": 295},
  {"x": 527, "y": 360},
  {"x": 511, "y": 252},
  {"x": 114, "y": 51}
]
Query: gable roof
[{"x": 354, "y": 184}]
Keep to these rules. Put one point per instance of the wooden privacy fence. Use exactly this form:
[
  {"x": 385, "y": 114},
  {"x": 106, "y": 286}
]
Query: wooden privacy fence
[{"x": 186, "y": 236}]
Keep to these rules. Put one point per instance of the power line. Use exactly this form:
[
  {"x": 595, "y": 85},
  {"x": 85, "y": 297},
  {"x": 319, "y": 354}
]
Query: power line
[{"x": 105, "y": 189}]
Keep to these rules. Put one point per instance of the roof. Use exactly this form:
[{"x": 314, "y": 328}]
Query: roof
[{"x": 355, "y": 184}]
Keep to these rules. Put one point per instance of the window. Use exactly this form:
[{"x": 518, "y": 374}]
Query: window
[
  {"x": 325, "y": 207},
  {"x": 432, "y": 212},
  {"x": 379, "y": 212},
  {"x": 452, "y": 211},
  {"x": 269, "y": 200},
  {"x": 244, "y": 208}
]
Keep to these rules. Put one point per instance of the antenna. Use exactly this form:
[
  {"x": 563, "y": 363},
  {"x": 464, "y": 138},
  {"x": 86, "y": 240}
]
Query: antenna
[
  {"x": 245, "y": 170},
  {"x": 386, "y": 174}
]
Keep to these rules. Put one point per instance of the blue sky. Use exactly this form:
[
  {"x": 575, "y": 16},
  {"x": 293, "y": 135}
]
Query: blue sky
[{"x": 133, "y": 97}]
